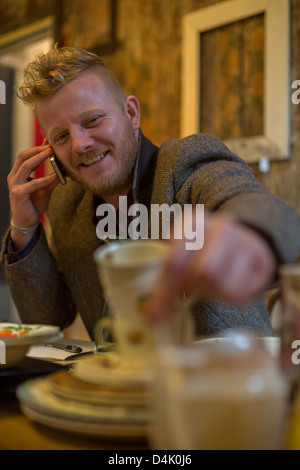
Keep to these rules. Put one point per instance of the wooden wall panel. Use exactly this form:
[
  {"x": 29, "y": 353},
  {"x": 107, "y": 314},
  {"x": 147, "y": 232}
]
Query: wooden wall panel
[
  {"x": 18, "y": 13},
  {"x": 148, "y": 61},
  {"x": 232, "y": 74}
]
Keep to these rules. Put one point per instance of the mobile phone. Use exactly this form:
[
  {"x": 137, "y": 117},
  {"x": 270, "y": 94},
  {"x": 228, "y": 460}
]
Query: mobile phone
[{"x": 58, "y": 168}]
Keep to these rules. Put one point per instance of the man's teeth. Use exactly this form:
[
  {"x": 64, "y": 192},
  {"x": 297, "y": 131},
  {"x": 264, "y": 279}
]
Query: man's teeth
[{"x": 95, "y": 159}]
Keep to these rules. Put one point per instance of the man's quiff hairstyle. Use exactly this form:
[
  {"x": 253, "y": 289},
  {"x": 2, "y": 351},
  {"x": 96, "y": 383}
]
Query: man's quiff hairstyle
[{"x": 50, "y": 71}]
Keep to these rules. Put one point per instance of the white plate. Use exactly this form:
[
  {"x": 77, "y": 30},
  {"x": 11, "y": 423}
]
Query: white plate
[
  {"x": 108, "y": 369},
  {"x": 270, "y": 343},
  {"x": 40, "y": 404},
  {"x": 65, "y": 385},
  {"x": 89, "y": 429},
  {"x": 37, "y": 394}
]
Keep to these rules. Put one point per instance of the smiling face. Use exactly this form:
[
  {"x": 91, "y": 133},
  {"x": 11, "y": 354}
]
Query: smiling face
[{"x": 93, "y": 133}]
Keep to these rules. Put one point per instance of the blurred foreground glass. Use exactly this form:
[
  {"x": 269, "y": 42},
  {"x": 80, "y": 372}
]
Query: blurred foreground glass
[
  {"x": 224, "y": 395},
  {"x": 290, "y": 345},
  {"x": 290, "y": 323},
  {"x": 128, "y": 271}
]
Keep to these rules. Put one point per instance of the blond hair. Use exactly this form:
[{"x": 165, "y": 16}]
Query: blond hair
[{"x": 50, "y": 71}]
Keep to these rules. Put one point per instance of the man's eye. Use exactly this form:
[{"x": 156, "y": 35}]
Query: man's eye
[
  {"x": 93, "y": 120},
  {"x": 61, "y": 137}
]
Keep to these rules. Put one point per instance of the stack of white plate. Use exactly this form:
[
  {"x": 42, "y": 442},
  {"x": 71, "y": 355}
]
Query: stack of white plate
[{"x": 100, "y": 397}]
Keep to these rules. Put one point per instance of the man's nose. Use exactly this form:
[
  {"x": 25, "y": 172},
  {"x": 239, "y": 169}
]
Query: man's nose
[{"x": 81, "y": 140}]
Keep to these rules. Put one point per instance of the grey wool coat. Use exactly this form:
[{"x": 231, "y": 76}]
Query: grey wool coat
[{"x": 51, "y": 285}]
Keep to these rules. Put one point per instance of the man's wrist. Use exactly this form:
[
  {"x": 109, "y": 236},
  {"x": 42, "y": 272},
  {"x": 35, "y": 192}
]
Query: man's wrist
[
  {"x": 20, "y": 245},
  {"x": 24, "y": 230}
]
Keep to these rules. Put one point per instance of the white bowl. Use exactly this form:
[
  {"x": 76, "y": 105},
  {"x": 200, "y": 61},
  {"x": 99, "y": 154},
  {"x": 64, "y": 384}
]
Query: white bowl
[{"x": 16, "y": 339}]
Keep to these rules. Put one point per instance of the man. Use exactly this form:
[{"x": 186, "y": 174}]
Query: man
[{"x": 94, "y": 130}]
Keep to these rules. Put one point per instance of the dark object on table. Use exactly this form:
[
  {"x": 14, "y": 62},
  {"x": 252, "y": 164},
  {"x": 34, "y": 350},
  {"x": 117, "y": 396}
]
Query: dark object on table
[{"x": 27, "y": 369}]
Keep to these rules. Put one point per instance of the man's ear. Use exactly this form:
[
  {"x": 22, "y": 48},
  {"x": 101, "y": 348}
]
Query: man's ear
[{"x": 132, "y": 108}]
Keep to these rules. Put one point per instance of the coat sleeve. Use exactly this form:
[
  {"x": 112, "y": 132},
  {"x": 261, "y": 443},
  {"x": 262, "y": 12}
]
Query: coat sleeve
[
  {"x": 202, "y": 170},
  {"x": 37, "y": 287}
]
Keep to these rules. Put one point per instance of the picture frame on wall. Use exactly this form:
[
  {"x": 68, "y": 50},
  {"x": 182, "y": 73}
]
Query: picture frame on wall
[{"x": 274, "y": 140}]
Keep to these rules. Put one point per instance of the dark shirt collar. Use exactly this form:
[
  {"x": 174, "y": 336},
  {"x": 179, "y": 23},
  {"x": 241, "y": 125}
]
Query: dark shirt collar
[{"x": 144, "y": 171}]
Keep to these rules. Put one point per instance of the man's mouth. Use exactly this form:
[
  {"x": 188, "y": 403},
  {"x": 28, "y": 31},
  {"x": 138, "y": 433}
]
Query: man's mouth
[{"x": 94, "y": 160}]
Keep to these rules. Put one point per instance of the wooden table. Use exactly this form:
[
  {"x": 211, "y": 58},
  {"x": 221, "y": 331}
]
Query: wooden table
[{"x": 17, "y": 432}]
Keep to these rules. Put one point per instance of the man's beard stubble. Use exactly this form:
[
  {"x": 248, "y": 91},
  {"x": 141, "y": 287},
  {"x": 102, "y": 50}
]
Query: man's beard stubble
[{"x": 123, "y": 176}]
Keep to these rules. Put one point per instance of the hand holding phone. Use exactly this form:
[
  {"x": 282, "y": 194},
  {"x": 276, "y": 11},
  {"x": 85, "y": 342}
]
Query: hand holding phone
[
  {"x": 31, "y": 200},
  {"x": 58, "y": 169}
]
